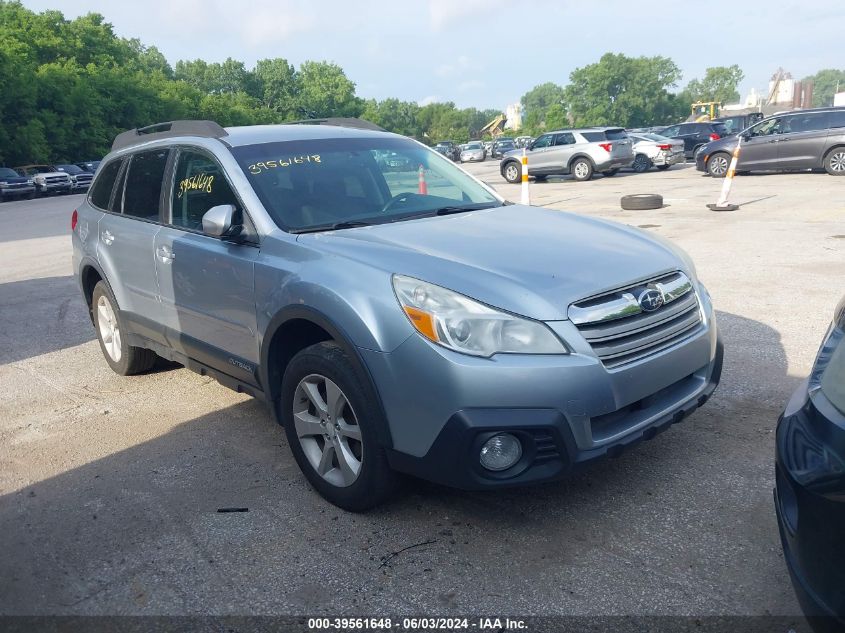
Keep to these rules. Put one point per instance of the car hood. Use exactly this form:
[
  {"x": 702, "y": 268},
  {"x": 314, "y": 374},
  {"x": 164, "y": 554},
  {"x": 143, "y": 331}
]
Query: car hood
[
  {"x": 14, "y": 180},
  {"x": 526, "y": 260}
]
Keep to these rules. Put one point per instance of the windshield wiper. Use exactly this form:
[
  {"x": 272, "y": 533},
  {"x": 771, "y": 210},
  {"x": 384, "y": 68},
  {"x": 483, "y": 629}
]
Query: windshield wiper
[
  {"x": 349, "y": 224},
  {"x": 455, "y": 209}
]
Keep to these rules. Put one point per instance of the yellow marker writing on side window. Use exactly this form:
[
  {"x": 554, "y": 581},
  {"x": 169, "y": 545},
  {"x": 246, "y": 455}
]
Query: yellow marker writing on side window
[{"x": 198, "y": 182}]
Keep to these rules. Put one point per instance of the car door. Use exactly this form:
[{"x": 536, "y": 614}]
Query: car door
[
  {"x": 207, "y": 283},
  {"x": 540, "y": 158},
  {"x": 127, "y": 232},
  {"x": 759, "y": 145},
  {"x": 802, "y": 142},
  {"x": 563, "y": 147}
]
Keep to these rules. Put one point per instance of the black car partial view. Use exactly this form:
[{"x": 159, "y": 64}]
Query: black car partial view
[
  {"x": 449, "y": 150},
  {"x": 13, "y": 185},
  {"x": 696, "y": 135},
  {"x": 502, "y": 146},
  {"x": 810, "y": 484}
]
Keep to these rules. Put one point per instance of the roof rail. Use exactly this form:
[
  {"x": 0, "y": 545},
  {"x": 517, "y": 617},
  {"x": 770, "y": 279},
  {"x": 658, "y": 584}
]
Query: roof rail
[
  {"x": 352, "y": 122},
  {"x": 208, "y": 129}
]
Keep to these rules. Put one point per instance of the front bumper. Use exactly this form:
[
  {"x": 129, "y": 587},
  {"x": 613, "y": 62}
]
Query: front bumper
[
  {"x": 50, "y": 187},
  {"x": 810, "y": 505},
  {"x": 567, "y": 410},
  {"x": 15, "y": 191}
]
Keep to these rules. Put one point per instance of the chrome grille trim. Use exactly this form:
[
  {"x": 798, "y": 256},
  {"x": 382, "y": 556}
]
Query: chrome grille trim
[{"x": 620, "y": 331}]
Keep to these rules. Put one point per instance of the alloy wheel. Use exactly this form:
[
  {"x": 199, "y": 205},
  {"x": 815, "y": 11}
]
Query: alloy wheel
[
  {"x": 511, "y": 173},
  {"x": 718, "y": 165},
  {"x": 582, "y": 170},
  {"x": 109, "y": 329},
  {"x": 837, "y": 162},
  {"x": 328, "y": 430}
]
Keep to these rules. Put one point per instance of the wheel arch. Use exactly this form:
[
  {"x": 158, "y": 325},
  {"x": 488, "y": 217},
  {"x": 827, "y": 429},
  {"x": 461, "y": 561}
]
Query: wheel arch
[
  {"x": 89, "y": 274},
  {"x": 830, "y": 150},
  {"x": 293, "y": 329},
  {"x": 507, "y": 162},
  {"x": 575, "y": 157}
]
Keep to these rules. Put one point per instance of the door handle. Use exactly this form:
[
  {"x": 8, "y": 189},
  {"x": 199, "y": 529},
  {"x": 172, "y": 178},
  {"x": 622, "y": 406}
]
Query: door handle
[
  {"x": 165, "y": 254},
  {"x": 107, "y": 237}
]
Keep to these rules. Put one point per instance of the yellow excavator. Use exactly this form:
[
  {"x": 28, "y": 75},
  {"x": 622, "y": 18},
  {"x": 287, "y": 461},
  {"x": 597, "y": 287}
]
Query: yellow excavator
[{"x": 705, "y": 110}]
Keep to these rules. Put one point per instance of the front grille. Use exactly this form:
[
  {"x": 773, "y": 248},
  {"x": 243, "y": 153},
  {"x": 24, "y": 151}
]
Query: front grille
[
  {"x": 620, "y": 331},
  {"x": 54, "y": 180}
]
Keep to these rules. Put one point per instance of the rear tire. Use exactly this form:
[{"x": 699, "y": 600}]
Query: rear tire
[
  {"x": 330, "y": 419},
  {"x": 641, "y": 164},
  {"x": 124, "y": 359},
  {"x": 834, "y": 162},
  {"x": 581, "y": 169}
]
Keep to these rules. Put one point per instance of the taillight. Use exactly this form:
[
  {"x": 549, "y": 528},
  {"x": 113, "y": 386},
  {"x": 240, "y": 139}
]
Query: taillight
[
  {"x": 73, "y": 218},
  {"x": 606, "y": 146},
  {"x": 714, "y": 137},
  {"x": 664, "y": 147}
]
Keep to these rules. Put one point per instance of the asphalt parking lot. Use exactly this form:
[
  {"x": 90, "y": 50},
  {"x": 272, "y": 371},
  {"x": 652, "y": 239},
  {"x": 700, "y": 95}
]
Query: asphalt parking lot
[{"x": 109, "y": 486}]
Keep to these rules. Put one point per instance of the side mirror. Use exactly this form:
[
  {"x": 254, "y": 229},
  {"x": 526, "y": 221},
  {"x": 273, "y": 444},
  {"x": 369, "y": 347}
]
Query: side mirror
[
  {"x": 219, "y": 222},
  {"x": 745, "y": 137}
]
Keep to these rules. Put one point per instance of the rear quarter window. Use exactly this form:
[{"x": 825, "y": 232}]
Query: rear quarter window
[
  {"x": 104, "y": 184},
  {"x": 616, "y": 135},
  {"x": 594, "y": 137}
]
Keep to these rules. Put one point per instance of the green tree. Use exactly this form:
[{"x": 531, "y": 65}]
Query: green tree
[
  {"x": 537, "y": 101},
  {"x": 719, "y": 84},
  {"x": 324, "y": 90},
  {"x": 826, "y": 83},
  {"x": 276, "y": 84},
  {"x": 625, "y": 91},
  {"x": 393, "y": 115}
]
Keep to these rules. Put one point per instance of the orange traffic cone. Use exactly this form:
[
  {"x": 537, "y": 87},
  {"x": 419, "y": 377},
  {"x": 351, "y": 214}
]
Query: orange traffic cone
[{"x": 423, "y": 188}]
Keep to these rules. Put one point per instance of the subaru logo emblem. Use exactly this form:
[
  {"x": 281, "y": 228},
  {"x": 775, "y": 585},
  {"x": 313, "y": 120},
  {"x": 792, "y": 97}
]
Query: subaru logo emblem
[{"x": 651, "y": 300}]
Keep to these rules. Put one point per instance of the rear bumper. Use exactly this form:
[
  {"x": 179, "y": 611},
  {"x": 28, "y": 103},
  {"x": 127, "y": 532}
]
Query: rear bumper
[
  {"x": 810, "y": 505},
  {"x": 613, "y": 163},
  {"x": 668, "y": 159}
]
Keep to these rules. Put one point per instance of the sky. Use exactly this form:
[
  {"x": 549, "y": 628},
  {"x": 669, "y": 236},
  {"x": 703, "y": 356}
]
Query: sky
[{"x": 483, "y": 53}]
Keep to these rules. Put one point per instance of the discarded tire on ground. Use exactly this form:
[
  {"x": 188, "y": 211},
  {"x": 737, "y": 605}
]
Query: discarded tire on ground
[{"x": 642, "y": 201}]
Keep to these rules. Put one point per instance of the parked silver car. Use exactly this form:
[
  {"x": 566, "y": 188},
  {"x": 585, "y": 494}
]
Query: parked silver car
[
  {"x": 580, "y": 152},
  {"x": 654, "y": 150},
  {"x": 473, "y": 152},
  {"x": 392, "y": 321}
]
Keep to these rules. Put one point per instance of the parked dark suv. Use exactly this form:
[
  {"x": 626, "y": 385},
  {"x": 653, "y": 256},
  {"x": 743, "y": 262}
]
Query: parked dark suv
[
  {"x": 696, "y": 135},
  {"x": 805, "y": 139}
]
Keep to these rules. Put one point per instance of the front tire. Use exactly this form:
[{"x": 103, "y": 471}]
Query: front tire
[
  {"x": 581, "y": 169},
  {"x": 834, "y": 162},
  {"x": 512, "y": 172},
  {"x": 718, "y": 164},
  {"x": 124, "y": 359},
  {"x": 330, "y": 419}
]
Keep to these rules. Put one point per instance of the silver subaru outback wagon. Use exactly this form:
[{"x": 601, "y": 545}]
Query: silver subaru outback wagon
[{"x": 396, "y": 320}]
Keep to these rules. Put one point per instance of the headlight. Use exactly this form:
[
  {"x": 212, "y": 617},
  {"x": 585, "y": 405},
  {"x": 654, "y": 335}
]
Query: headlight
[
  {"x": 3, "y": 184},
  {"x": 30, "y": 182},
  {"x": 39, "y": 179},
  {"x": 464, "y": 325}
]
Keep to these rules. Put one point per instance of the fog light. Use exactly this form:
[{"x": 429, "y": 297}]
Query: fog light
[{"x": 500, "y": 452}]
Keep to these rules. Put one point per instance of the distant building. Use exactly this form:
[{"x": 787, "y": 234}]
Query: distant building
[
  {"x": 839, "y": 99},
  {"x": 514, "y": 115}
]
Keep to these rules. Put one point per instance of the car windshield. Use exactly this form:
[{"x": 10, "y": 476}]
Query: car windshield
[
  {"x": 70, "y": 169},
  {"x": 655, "y": 137},
  {"x": 324, "y": 184},
  {"x": 474, "y": 146},
  {"x": 5, "y": 172}
]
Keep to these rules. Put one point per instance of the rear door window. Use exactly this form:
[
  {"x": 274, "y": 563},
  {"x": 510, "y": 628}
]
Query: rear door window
[
  {"x": 593, "y": 137},
  {"x": 142, "y": 194},
  {"x": 671, "y": 131},
  {"x": 198, "y": 186},
  {"x": 809, "y": 122},
  {"x": 837, "y": 118},
  {"x": 100, "y": 195}
]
